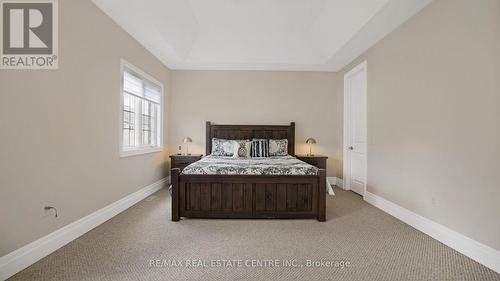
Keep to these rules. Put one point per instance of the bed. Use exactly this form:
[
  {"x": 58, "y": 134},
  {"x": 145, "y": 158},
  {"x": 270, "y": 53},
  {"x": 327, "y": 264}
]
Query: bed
[{"x": 274, "y": 187}]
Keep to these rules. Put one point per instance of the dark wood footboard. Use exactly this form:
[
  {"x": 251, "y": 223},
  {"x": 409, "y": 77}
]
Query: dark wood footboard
[{"x": 238, "y": 196}]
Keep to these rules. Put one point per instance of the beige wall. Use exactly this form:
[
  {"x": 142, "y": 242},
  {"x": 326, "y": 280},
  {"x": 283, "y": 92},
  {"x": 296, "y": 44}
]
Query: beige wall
[
  {"x": 257, "y": 97},
  {"x": 434, "y": 113},
  {"x": 59, "y": 129}
]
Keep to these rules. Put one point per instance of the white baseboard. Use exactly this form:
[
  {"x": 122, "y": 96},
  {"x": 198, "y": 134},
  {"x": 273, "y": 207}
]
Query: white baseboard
[
  {"x": 23, "y": 257},
  {"x": 481, "y": 253},
  {"x": 340, "y": 183},
  {"x": 330, "y": 182},
  {"x": 336, "y": 181}
]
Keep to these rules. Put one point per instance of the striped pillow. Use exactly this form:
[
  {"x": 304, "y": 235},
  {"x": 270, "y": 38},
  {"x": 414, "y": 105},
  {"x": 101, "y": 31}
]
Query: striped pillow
[{"x": 260, "y": 148}]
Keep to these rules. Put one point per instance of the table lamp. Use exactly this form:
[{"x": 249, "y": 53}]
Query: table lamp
[
  {"x": 187, "y": 141},
  {"x": 310, "y": 142}
]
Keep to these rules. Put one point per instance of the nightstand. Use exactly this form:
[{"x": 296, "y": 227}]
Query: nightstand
[
  {"x": 181, "y": 161},
  {"x": 315, "y": 160}
]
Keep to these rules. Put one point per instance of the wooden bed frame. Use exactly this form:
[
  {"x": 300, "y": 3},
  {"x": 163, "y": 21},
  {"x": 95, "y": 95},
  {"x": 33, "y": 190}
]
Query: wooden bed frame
[{"x": 244, "y": 196}]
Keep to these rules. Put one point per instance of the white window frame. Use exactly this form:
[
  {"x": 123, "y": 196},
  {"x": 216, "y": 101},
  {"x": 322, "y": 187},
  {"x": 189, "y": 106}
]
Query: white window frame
[{"x": 125, "y": 65}]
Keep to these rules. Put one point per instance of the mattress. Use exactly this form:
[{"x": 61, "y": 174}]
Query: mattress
[{"x": 272, "y": 166}]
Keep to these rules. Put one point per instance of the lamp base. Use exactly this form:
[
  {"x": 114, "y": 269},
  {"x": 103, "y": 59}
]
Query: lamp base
[{"x": 310, "y": 151}]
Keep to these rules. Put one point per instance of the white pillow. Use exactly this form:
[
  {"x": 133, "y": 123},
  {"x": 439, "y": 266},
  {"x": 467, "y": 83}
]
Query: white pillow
[
  {"x": 222, "y": 147},
  {"x": 278, "y": 147},
  {"x": 241, "y": 148}
]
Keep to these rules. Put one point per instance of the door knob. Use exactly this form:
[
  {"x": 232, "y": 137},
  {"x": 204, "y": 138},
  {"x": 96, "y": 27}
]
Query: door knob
[{"x": 351, "y": 148}]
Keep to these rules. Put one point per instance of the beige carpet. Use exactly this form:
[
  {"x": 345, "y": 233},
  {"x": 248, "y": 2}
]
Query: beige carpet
[{"x": 376, "y": 245}]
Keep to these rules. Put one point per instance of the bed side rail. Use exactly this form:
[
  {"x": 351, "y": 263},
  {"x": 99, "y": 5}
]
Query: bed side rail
[
  {"x": 322, "y": 196},
  {"x": 174, "y": 180}
]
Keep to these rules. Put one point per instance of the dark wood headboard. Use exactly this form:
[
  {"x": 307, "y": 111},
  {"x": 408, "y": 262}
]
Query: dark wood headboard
[{"x": 242, "y": 132}]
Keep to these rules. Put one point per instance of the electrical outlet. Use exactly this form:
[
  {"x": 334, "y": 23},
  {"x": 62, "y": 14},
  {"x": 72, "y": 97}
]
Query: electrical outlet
[
  {"x": 47, "y": 213},
  {"x": 50, "y": 211}
]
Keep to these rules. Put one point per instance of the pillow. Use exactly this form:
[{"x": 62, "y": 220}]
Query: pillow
[
  {"x": 241, "y": 148},
  {"x": 222, "y": 147},
  {"x": 278, "y": 147},
  {"x": 260, "y": 148}
]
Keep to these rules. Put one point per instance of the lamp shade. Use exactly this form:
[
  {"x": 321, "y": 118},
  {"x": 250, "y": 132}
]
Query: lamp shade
[
  {"x": 311, "y": 141},
  {"x": 187, "y": 140}
]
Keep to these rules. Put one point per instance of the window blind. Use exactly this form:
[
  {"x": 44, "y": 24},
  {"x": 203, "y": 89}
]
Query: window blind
[
  {"x": 152, "y": 93},
  {"x": 132, "y": 84},
  {"x": 140, "y": 87}
]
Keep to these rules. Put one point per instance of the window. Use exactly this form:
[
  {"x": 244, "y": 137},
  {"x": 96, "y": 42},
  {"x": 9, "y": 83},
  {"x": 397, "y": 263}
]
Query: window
[{"x": 140, "y": 112}]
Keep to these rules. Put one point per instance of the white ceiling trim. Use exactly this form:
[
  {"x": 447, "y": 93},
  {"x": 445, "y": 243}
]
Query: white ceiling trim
[{"x": 190, "y": 35}]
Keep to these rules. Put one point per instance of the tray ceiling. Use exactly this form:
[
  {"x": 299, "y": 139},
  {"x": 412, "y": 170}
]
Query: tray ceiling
[{"x": 315, "y": 35}]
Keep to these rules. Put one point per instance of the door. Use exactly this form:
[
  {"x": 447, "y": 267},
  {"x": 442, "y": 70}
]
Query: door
[{"x": 355, "y": 152}]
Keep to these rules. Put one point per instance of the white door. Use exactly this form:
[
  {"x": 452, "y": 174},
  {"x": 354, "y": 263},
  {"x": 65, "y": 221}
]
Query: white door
[{"x": 355, "y": 129}]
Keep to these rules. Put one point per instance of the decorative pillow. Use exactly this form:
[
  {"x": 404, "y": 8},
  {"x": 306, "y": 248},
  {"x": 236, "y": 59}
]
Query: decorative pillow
[
  {"x": 260, "y": 148},
  {"x": 278, "y": 147},
  {"x": 222, "y": 147},
  {"x": 241, "y": 148}
]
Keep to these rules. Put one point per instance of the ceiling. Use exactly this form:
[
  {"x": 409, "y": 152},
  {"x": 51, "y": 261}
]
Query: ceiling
[{"x": 313, "y": 35}]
